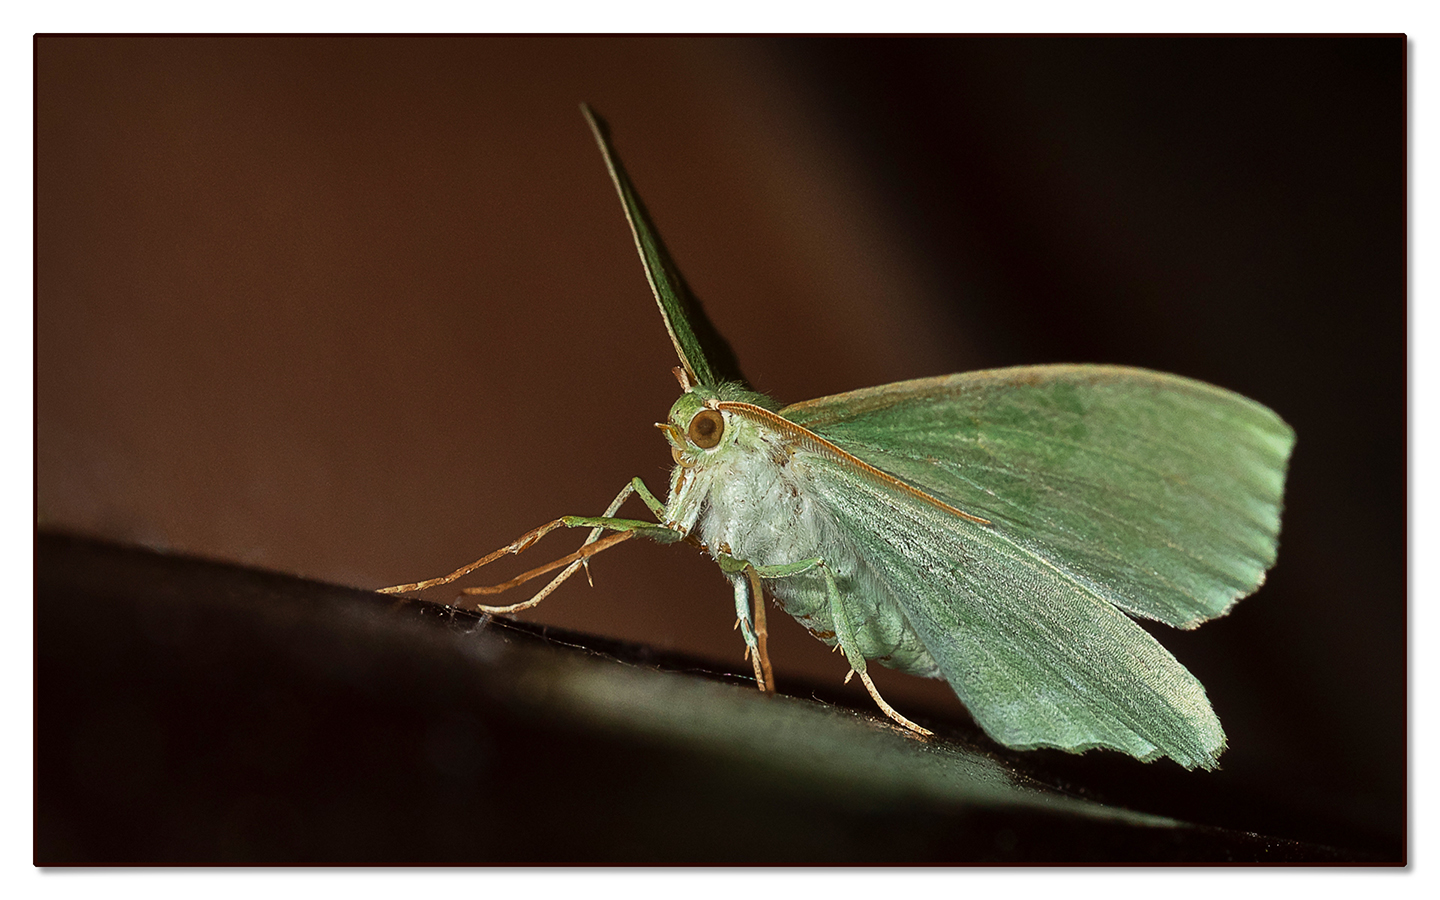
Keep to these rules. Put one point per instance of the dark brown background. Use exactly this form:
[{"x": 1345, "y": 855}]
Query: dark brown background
[{"x": 364, "y": 309}]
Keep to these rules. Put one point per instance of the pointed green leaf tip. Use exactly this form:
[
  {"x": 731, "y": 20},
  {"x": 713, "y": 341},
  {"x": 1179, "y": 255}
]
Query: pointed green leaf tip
[{"x": 707, "y": 358}]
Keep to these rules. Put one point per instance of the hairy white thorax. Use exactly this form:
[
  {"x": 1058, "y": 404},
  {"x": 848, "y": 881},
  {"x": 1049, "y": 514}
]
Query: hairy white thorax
[
  {"x": 753, "y": 498},
  {"x": 753, "y": 503}
]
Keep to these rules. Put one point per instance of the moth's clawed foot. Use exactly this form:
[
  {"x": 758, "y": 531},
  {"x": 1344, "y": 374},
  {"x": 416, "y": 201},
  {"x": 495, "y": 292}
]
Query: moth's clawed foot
[{"x": 886, "y": 708}]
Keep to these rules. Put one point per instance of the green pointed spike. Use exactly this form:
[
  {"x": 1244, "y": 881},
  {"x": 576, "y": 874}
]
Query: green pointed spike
[{"x": 706, "y": 356}]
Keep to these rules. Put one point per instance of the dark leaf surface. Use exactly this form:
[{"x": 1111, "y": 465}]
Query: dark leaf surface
[{"x": 189, "y": 712}]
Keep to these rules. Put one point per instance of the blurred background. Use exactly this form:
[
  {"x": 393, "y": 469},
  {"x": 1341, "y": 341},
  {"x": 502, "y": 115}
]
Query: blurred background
[{"x": 364, "y": 309}]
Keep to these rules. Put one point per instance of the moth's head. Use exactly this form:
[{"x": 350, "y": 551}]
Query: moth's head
[
  {"x": 698, "y": 428},
  {"x": 695, "y": 428}
]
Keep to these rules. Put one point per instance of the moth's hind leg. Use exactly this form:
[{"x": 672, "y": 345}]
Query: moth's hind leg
[{"x": 844, "y": 632}]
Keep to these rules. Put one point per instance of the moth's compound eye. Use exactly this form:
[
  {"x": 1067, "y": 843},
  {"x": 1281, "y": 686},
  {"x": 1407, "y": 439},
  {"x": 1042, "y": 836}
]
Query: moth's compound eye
[{"x": 706, "y": 429}]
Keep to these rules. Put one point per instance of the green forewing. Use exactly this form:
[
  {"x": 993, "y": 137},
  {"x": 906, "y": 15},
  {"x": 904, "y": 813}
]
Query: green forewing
[
  {"x": 1106, "y": 489},
  {"x": 703, "y": 352},
  {"x": 1155, "y": 493}
]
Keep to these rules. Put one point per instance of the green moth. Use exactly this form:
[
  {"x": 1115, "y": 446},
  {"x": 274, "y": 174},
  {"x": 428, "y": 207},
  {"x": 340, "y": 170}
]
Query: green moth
[{"x": 996, "y": 529}]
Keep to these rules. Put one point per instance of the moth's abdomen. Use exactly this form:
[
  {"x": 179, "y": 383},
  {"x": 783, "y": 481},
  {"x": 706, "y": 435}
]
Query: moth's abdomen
[
  {"x": 759, "y": 507},
  {"x": 882, "y": 632}
]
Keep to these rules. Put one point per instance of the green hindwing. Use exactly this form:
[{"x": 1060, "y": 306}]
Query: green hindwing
[
  {"x": 1039, "y": 659},
  {"x": 1157, "y": 494}
]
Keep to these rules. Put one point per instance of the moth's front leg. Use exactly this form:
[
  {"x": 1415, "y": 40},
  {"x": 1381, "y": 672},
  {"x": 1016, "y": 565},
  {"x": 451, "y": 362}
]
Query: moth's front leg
[{"x": 624, "y": 530}]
